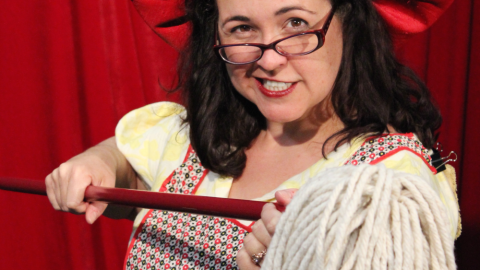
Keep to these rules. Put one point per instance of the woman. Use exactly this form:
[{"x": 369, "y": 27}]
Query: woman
[{"x": 262, "y": 120}]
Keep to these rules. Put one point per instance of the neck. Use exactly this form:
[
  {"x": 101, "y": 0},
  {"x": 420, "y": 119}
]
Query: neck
[{"x": 317, "y": 127}]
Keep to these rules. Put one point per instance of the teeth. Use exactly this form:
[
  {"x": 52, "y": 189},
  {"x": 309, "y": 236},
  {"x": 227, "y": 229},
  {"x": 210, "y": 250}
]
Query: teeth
[{"x": 276, "y": 86}]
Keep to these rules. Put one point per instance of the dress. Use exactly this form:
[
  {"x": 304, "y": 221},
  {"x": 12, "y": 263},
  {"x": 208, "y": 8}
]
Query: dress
[{"x": 155, "y": 141}]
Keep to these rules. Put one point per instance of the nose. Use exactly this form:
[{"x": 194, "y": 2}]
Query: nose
[{"x": 272, "y": 61}]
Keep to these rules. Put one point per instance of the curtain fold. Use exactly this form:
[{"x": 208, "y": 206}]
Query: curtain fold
[{"x": 69, "y": 70}]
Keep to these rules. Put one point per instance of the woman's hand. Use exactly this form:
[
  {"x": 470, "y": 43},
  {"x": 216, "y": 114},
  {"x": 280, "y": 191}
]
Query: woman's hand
[
  {"x": 262, "y": 231},
  {"x": 98, "y": 166}
]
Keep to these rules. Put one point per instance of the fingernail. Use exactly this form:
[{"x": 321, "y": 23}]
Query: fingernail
[{"x": 92, "y": 217}]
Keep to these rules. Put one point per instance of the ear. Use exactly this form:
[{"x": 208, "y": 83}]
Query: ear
[{"x": 167, "y": 19}]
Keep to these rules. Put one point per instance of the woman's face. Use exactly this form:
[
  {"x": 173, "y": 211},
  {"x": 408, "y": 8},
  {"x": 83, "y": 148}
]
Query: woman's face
[{"x": 284, "y": 88}]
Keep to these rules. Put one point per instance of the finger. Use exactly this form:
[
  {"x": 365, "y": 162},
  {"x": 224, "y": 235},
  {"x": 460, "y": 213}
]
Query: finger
[
  {"x": 244, "y": 261},
  {"x": 50, "y": 192},
  {"x": 63, "y": 183},
  {"x": 252, "y": 245},
  {"x": 75, "y": 194},
  {"x": 261, "y": 233},
  {"x": 284, "y": 197},
  {"x": 56, "y": 188},
  {"x": 94, "y": 210},
  {"x": 270, "y": 217}
]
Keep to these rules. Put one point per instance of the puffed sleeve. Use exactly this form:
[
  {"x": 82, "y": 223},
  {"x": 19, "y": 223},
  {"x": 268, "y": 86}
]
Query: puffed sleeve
[{"x": 154, "y": 140}]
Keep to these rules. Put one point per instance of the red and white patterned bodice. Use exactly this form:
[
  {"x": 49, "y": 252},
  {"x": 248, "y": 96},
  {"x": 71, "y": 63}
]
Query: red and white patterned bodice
[{"x": 172, "y": 240}]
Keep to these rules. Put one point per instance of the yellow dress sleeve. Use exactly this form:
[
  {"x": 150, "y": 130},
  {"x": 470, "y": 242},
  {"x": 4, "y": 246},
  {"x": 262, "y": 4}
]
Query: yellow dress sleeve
[
  {"x": 442, "y": 182},
  {"x": 154, "y": 140}
]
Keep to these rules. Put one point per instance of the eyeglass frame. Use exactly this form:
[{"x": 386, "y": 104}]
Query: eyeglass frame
[{"x": 320, "y": 33}]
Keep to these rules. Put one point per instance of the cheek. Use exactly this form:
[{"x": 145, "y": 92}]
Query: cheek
[
  {"x": 238, "y": 76},
  {"x": 335, "y": 49},
  {"x": 323, "y": 67},
  {"x": 320, "y": 72}
]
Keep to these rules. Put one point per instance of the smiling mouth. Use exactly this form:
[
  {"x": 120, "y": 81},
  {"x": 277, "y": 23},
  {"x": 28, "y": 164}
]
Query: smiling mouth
[{"x": 275, "y": 88}]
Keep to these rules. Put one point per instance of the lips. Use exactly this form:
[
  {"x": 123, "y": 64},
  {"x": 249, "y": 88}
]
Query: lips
[{"x": 274, "y": 88}]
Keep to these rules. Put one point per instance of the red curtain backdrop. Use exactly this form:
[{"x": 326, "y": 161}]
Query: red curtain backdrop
[{"x": 69, "y": 70}]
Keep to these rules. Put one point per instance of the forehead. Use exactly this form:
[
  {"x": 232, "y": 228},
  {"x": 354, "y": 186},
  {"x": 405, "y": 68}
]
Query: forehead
[{"x": 254, "y": 9}]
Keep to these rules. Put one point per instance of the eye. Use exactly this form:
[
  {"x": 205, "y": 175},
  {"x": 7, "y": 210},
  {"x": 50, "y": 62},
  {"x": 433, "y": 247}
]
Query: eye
[
  {"x": 297, "y": 23},
  {"x": 241, "y": 29}
]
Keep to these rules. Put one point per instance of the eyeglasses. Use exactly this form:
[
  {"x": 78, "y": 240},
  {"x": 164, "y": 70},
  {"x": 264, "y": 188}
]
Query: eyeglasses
[{"x": 294, "y": 45}]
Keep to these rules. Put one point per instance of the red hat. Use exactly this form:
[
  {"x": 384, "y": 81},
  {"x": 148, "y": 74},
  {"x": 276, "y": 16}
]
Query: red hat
[
  {"x": 406, "y": 17},
  {"x": 403, "y": 17},
  {"x": 167, "y": 19}
]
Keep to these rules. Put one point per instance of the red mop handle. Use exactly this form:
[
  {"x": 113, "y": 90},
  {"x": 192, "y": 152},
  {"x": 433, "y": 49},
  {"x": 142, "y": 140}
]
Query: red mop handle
[{"x": 203, "y": 205}]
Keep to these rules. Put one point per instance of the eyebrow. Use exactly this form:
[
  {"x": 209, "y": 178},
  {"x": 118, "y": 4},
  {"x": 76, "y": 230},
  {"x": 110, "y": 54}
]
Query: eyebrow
[
  {"x": 290, "y": 8},
  {"x": 236, "y": 18},
  {"x": 279, "y": 12}
]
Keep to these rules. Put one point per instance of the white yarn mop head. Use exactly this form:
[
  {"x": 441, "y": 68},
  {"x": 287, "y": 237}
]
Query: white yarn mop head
[{"x": 364, "y": 217}]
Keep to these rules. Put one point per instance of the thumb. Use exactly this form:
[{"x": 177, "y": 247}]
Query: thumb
[
  {"x": 284, "y": 197},
  {"x": 94, "y": 210}
]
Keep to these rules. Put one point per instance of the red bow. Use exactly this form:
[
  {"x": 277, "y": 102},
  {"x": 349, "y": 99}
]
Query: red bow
[{"x": 403, "y": 17}]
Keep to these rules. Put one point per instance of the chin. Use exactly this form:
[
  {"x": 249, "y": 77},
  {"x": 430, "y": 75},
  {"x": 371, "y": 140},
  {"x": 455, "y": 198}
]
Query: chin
[{"x": 283, "y": 115}]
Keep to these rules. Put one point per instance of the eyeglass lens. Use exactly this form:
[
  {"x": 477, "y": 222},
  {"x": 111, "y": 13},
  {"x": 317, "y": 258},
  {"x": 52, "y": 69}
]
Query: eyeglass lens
[{"x": 295, "y": 45}]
